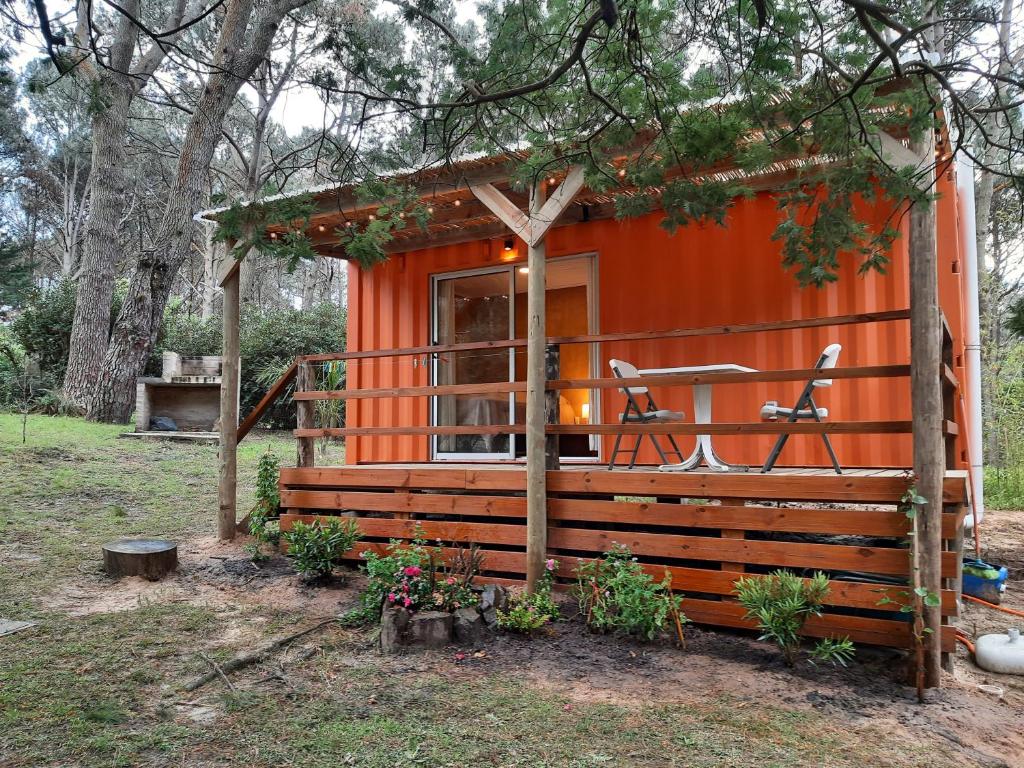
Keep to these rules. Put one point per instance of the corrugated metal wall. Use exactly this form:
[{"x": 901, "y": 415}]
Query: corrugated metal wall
[{"x": 648, "y": 280}]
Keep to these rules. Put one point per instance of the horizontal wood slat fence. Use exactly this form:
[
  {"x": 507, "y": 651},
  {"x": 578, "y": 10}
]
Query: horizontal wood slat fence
[{"x": 704, "y": 530}]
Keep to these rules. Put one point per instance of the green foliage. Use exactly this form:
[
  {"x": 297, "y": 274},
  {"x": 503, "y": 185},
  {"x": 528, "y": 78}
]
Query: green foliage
[
  {"x": 12, "y": 368},
  {"x": 526, "y": 612},
  {"x": 315, "y": 547},
  {"x": 269, "y": 342},
  {"x": 413, "y": 576},
  {"x": 781, "y": 603},
  {"x": 330, "y": 413},
  {"x": 264, "y": 530},
  {"x": 16, "y": 285},
  {"x": 400, "y": 204},
  {"x": 273, "y": 227},
  {"x": 616, "y": 595}
]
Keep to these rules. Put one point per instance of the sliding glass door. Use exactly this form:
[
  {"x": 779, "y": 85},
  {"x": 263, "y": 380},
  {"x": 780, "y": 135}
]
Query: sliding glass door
[
  {"x": 467, "y": 308},
  {"x": 490, "y": 305}
]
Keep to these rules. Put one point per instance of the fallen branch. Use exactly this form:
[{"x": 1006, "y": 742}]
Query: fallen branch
[
  {"x": 248, "y": 659},
  {"x": 218, "y": 670}
]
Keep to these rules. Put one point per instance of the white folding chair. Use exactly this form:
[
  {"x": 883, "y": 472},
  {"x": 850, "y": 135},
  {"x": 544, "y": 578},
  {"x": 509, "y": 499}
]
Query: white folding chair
[
  {"x": 634, "y": 413},
  {"x": 805, "y": 408}
]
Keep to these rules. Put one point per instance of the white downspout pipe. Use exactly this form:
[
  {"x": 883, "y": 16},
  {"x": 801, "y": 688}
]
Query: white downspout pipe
[{"x": 972, "y": 345}]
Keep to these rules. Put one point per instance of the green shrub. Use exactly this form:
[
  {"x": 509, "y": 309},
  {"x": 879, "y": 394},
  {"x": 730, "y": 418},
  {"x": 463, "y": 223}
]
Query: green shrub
[
  {"x": 12, "y": 369},
  {"x": 527, "y": 612},
  {"x": 413, "y": 576},
  {"x": 268, "y": 340},
  {"x": 316, "y": 547},
  {"x": 781, "y": 603},
  {"x": 263, "y": 528},
  {"x": 616, "y": 595}
]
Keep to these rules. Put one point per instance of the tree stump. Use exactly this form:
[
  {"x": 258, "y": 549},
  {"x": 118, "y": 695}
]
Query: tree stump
[{"x": 149, "y": 558}]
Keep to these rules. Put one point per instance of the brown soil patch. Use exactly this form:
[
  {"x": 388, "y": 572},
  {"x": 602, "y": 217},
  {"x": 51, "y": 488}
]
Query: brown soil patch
[
  {"x": 866, "y": 697},
  {"x": 210, "y": 572}
]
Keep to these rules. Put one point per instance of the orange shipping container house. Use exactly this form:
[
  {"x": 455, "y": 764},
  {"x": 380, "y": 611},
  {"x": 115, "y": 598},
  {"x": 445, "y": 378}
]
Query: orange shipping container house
[{"x": 437, "y": 434}]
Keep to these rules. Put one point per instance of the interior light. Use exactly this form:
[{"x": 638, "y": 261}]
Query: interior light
[
  {"x": 585, "y": 411},
  {"x": 524, "y": 270},
  {"x": 508, "y": 245}
]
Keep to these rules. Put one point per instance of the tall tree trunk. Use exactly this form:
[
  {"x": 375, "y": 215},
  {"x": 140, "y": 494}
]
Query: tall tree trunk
[
  {"x": 90, "y": 327},
  {"x": 139, "y": 320}
]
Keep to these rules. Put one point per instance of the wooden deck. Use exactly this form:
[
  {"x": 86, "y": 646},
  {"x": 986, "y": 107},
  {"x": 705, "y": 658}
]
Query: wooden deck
[{"x": 705, "y": 529}]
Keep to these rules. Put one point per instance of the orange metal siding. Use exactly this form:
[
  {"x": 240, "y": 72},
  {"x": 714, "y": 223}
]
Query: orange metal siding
[{"x": 650, "y": 280}]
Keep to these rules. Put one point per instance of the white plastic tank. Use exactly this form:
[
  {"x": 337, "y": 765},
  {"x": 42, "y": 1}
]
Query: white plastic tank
[{"x": 1001, "y": 653}]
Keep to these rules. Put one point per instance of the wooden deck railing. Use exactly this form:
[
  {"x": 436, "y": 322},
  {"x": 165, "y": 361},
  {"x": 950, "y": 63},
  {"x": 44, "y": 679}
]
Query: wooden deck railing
[
  {"x": 306, "y": 431},
  {"x": 306, "y": 393}
]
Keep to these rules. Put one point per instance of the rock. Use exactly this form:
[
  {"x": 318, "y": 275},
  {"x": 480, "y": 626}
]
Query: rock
[
  {"x": 394, "y": 629},
  {"x": 467, "y": 626},
  {"x": 493, "y": 596},
  {"x": 430, "y": 629}
]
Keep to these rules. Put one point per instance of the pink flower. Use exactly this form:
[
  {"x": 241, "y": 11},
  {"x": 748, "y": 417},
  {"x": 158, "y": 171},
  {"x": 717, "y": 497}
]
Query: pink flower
[
  {"x": 450, "y": 580},
  {"x": 550, "y": 564},
  {"x": 407, "y": 602},
  {"x": 413, "y": 570},
  {"x": 391, "y": 597}
]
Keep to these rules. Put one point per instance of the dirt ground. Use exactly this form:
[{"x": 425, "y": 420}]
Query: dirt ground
[{"x": 982, "y": 727}]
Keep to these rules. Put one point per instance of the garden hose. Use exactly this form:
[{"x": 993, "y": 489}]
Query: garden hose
[
  {"x": 978, "y": 600},
  {"x": 965, "y": 641}
]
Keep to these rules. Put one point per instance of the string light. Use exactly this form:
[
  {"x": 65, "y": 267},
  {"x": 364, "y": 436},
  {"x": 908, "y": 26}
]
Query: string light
[
  {"x": 401, "y": 214},
  {"x": 430, "y": 210},
  {"x": 457, "y": 202},
  {"x": 321, "y": 228},
  {"x": 552, "y": 181},
  {"x": 622, "y": 173},
  {"x": 371, "y": 217},
  {"x": 273, "y": 235}
]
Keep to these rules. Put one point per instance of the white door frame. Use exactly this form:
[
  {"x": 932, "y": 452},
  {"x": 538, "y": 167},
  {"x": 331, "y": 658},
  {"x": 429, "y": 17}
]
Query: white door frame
[{"x": 593, "y": 325}]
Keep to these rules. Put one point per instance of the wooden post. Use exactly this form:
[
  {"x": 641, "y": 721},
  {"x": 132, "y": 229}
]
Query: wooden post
[
  {"x": 926, "y": 399},
  {"x": 227, "y": 522},
  {"x": 536, "y": 479},
  {"x": 552, "y": 369},
  {"x": 304, "y": 412}
]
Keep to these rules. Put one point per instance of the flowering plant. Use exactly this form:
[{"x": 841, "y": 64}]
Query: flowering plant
[
  {"x": 413, "y": 576},
  {"x": 527, "y": 612}
]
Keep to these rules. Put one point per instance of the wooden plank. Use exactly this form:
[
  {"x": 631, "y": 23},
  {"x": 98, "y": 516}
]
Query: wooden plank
[
  {"x": 769, "y": 553},
  {"x": 722, "y": 428},
  {"x": 422, "y": 503},
  {"x": 832, "y": 488},
  {"x": 227, "y": 484},
  {"x": 717, "y": 330},
  {"x": 748, "y": 518},
  {"x": 505, "y": 210},
  {"x": 662, "y": 380},
  {"x": 304, "y": 416},
  {"x": 845, "y": 594},
  {"x": 883, "y": 632},
  {"x": 891, "y": 562},
  {"x": 275, "y": 391},
  {"x": 542, "y": 220}
]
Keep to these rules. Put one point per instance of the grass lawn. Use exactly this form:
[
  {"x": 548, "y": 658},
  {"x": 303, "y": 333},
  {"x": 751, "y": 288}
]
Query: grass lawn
[{"x": 103, "y": 688}]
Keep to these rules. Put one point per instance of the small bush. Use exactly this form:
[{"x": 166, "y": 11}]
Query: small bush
[
  {"x": 262, "y": 525},
  {"x": 527, "y": 612},
  {"x": 413, "y": 576},
  {"x": 781, "y": 603},
  {"x": 315, "y": 547},
  {"x": 616, "y": 595}
]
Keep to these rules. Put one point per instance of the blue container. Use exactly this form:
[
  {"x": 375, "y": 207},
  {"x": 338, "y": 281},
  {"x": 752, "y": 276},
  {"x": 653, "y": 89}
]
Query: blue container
[{"x": 989, "y": 587}]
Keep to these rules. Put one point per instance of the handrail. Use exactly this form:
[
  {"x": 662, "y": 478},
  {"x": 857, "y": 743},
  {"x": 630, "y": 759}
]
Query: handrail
[
  {"x": 674, "y": 379},
  {"x": 722, "y": 428},
  {"x": 594, "y": 338},
  {"x": 275, "y": 391}
]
